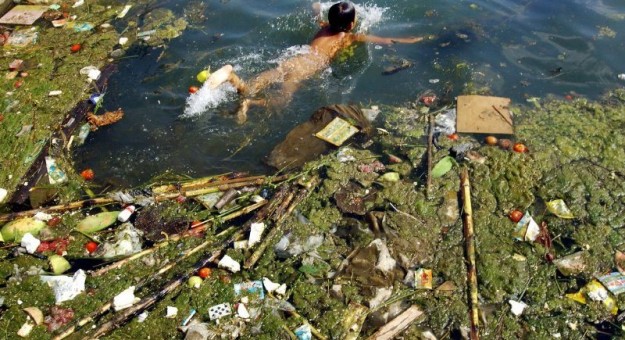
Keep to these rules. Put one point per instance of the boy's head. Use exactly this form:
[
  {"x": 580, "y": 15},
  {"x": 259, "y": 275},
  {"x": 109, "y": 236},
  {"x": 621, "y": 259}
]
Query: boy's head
[{"x": 342, "y": 16}]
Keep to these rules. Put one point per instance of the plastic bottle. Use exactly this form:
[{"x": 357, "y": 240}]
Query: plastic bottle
[
  {"x": 125, "y": 214},
  {"x": 83, "y": 133}
]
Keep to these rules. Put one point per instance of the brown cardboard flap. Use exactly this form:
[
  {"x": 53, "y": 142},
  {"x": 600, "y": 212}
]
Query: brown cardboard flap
[{"x": 484, "y": 114}]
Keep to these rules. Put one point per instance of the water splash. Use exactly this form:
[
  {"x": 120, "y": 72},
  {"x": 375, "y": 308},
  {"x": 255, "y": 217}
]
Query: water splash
[
  {"x": 367, "y": 15},
  {"x": 206, "y": 98}
]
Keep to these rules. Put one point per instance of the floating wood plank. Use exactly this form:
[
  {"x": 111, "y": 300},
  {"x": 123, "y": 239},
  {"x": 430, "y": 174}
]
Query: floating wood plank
[
  {"x": 484, "y": 114},
  {"x": 398, "y": 325}
]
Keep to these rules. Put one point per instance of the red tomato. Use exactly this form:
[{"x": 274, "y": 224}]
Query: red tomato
[
  {"x": 91, "y": 246},
  {"x": 75, "y": 48},
  {"x": 453, "y": 136},
  {"x": 515, "y": 215},
  {"x": 204, "y": 272},
  {"x": 193, "y": 89},
  {"x": 519, "y": 147},
  {"x": 87, "y": 174}
]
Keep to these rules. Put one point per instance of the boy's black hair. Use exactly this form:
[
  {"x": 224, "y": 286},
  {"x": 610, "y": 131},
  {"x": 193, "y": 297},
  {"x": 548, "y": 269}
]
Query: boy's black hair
[{"x": 341, "y": 16}]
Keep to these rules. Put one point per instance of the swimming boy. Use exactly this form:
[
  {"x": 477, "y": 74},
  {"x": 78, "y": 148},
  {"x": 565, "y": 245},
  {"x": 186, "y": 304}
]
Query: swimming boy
[{"x": 334, "y": 36}]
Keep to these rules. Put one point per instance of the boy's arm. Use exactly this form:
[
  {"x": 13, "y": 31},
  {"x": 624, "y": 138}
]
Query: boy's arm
[{"x": 386, "y": 40}]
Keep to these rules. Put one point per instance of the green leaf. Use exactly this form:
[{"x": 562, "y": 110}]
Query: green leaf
[
  {"x": 97, "y": 222},
  {"x": 13, "y": 231},
  {"x": 443, "y": 166}
]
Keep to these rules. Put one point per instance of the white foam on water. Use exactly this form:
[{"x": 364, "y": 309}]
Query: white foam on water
[
  {"x": 206, "y": 98},
  {"x": 291, "y": 52}
]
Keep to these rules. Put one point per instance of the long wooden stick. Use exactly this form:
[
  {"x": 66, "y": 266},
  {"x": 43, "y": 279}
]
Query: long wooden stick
[
  {"x": 59, "y": 208},
  {"x": 469, "y": 243},
  {"x": 195, "y": 189},
  {"x": 222, "y": 187}
]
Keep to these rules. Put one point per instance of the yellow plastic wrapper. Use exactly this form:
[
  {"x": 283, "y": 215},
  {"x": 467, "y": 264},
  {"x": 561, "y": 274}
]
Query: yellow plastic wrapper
[
  {"x": 559, "y": 208},
  {"x": 597, "y": 292}
]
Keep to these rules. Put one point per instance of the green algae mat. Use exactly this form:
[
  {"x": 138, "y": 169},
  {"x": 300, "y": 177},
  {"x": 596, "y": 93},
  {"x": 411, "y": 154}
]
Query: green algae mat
[{"x": 355, "y": 239}]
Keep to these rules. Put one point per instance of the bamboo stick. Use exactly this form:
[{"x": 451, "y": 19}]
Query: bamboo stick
[
  {"x": 59, "y": 208},
  {"x": 430, "y": 142},
  {"x": 161, "y": 189},
  {"x": 291, "y": 201},
  {"x": 222, "y": 187},
  {"x": 469, "y": 242}
]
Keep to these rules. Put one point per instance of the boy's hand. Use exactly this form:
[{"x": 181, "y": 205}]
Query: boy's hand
[{"x": 410, "y": 40}]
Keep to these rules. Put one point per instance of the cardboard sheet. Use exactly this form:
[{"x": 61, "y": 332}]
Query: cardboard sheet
[
  {"x": 337, "y": 131},
  {"x": 484, "y": 114},
  {"x": 23, "y": 14}
]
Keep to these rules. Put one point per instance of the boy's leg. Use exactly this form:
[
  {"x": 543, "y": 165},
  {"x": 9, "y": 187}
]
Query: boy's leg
[{"x": 244, "y": 106}]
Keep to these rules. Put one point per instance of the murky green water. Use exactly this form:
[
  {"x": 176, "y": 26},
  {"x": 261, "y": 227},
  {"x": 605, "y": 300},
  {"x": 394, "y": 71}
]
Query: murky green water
[{"x": 518, "y": 49}]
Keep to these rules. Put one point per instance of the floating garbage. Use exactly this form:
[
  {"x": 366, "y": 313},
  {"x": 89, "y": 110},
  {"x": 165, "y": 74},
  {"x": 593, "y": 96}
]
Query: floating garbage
[
  {"x": 219, "y": 311},
  {"x": 66, "y": 288},
  {"x": 30, "y": 242},
  {"x": 303, "y": 332},
  {"x": 92, "y": 72},
  {"x": 250, "y": 289},
  {"x": 559, "y": 208},
  {"x": 125, "y": 299},
  {"x": 423, "y": 279},
  {"x": 171, "y": 312},
  {"x": 614, "y": 282},
  {"x": 3, "y": 194},
  {"x": 256, "y": 231},
  {"x": 517, "y": 307},
  {"x": 55, "y": 174},
  {"x": 229, "y": 263}
]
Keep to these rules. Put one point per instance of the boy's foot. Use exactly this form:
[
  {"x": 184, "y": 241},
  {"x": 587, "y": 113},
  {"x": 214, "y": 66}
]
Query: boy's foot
[
  {"x": 219, "y": 77},
  {"x": 242, "y": 111}
]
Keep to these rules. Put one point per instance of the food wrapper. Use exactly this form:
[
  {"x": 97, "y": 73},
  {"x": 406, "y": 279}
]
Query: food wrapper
[
  {"x": 423, "y": 279},
  {"x": 250, "y": 288},
  {"x": 597, "y": 292},
  {"x": 614, "y": 282}
]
